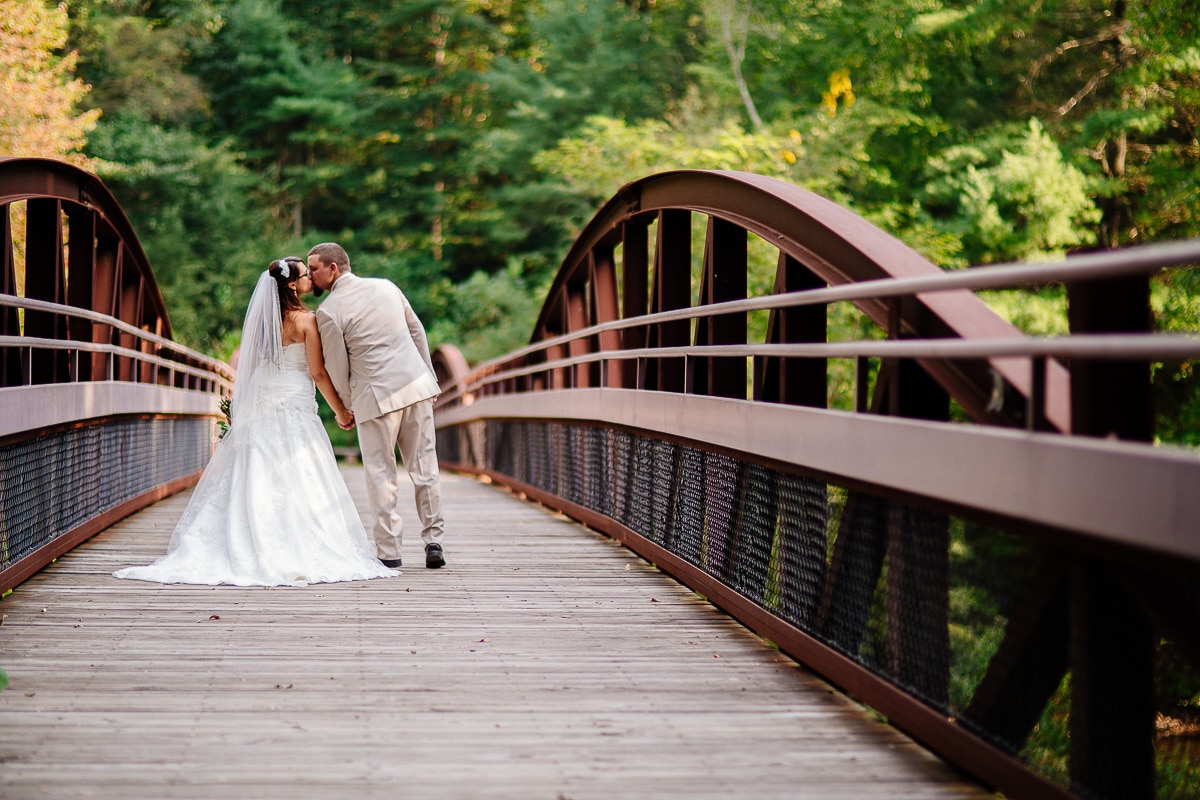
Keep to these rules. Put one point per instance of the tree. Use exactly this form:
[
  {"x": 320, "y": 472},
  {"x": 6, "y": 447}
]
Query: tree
[
  {"x": 398, "y": 183},
  {"x": 441, "y": 139},
  {"x": 136, "y": 65},
  {"x": 730, "y": 22},
  {"x": 38, "y": 92},
  {"x": 197, "y": 213},
  {"x": 1114, "y": 83},
  {"x": 486, "y": 315},
  {"x": 1011, "y": 197},
  {"x": 195, "y": 206},
  {"x": 564, "y": 63},
  {"x": 292, "y": 112},
  {"x": 39, "y": 96}
]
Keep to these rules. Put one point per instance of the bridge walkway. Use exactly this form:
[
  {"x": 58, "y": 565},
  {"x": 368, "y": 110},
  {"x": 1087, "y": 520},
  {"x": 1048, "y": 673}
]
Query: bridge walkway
[{"x": 545, "y": 661}]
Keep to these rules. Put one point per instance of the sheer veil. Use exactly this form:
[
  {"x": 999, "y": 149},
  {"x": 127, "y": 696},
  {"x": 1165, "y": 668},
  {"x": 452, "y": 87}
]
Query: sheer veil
[
  {"x": 262, "y": 344},
  {"x": 250, "y": 520}
]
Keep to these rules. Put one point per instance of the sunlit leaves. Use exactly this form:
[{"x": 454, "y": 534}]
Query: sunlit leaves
[
  {"x": 609, "y": 153},
  {"x": 1012, "y": 196},
  {"x": 39, "y": 93}
]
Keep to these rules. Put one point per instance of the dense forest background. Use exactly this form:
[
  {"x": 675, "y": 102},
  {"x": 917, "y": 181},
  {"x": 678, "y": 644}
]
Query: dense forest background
[{"x": 457, "y": 145}]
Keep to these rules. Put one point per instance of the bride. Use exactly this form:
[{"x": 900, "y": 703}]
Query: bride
[{"x": 271, "y": 508}]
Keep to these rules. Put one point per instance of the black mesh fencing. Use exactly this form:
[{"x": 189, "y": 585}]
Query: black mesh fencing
[
  {"x": 54, "y": 483},
  {"x": 969, "y": 618}
]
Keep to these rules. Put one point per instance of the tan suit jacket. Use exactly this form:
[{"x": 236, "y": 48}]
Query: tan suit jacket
[{"x": 375, "y": 348}]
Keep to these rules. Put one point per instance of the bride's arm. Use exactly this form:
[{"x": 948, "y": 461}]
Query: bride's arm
[{"x": 316, "y": 367}]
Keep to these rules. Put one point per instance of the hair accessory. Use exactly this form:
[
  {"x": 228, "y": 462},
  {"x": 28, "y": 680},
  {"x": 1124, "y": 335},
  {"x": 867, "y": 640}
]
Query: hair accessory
[{"x": 284, "y": 269}]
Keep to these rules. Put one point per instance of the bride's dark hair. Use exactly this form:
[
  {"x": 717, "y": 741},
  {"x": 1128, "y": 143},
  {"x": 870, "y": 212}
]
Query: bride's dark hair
[{"x": 284, "y": 271}]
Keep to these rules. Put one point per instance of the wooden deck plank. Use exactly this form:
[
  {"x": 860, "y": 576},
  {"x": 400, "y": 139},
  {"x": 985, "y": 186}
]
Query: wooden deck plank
[{"x": 545, "y": 661}]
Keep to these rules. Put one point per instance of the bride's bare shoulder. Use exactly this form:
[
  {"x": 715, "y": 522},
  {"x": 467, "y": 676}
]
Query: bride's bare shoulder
[
  {"x": 306, "y": 322},
  {"x": 297, "y": 325}
]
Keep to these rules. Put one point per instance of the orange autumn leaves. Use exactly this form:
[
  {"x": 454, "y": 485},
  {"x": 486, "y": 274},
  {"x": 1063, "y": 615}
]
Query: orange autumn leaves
[{"x": 39, "y": 94}]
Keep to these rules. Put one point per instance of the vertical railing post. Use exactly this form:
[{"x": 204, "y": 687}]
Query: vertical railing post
[
  {"x": 918, "y": 554},
  {"x": 577, "y": 320},
  {"x": 635, "y": 296},
  {"x": 104, "y": 288},
  {"x": 10, "y": 357},
  {"x": 672, "y": 290},
  {"x": 604, "y": 309},
  {"x": 128, "y": 305},
  {"x": 44, "y": 280},
  {"x": 1112, "y": 644},
  {"x": 81, "y": 233},
  {"x": 723, "y": 280},
  {"x": 862, "y": 384},
  {"x": 796, "y": 381},
  {"x": 914, "y": 542}
]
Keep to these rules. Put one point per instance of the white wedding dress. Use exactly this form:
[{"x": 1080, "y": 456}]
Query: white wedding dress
[{"x": 271, "y": 508}]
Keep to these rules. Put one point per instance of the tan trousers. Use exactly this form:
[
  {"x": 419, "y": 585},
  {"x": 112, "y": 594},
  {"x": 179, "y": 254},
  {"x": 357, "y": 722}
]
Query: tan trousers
[{"x": 411, "y": 429}]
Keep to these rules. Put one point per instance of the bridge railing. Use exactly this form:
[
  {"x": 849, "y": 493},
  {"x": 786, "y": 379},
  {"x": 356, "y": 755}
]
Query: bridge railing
[
  {"x": 151, "y": 359},
  {"x": 984, "y": 544},
  {"x": 102, "y": 412}
]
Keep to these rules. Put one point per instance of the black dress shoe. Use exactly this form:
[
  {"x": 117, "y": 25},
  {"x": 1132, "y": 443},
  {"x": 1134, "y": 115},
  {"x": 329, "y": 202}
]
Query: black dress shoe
[
  {"x": 433, "y": 556},
  {"x": 390, "y": 563}
]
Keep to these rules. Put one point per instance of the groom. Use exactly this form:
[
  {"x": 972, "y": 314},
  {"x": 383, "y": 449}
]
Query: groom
[{"x": 378, "y": 359}]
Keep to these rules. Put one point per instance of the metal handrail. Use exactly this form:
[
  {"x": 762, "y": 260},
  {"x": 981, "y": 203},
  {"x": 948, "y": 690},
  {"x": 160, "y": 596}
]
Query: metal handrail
[
  {"x": 98, "y": 422},
  {"x": 678, "y": 462},
  {"x": 1137, "y": 261},
  {"x": 219, "y": 380},
  {"x": 1146, "y": 259},
  {"x": 1120, "y": 347},
  {"x": 12, "y": 301}
]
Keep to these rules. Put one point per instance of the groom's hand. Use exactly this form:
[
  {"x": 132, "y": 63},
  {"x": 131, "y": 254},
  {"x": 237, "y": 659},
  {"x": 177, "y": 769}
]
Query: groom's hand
[{"x": 345, "y": 421}]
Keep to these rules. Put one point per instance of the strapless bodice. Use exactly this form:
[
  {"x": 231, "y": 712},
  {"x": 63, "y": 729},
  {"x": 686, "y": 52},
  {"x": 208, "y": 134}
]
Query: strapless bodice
[{"x": 294, "y": 356}]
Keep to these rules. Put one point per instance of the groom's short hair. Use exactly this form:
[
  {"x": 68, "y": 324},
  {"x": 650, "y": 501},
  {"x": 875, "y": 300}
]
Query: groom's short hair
[{"x": 331, "y": 253}]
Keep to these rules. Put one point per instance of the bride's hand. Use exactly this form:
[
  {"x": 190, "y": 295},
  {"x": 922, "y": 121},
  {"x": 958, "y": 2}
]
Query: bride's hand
[{"x": 345, "y": 420}]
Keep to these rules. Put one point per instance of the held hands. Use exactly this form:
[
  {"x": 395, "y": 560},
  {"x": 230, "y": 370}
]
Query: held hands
[{"x": 345, "y": 419}]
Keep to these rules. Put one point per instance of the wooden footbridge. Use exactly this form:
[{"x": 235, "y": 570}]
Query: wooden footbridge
[
  {"x": 545, "y": 661},
  {"x": 696, "y": 547}
]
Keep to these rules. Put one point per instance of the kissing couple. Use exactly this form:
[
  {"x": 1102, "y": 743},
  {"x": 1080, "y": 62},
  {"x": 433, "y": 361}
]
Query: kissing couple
[{"x": 271, "y": 508}]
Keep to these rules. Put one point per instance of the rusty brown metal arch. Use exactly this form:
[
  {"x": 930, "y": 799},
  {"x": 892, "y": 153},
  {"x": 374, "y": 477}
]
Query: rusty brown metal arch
[
  {"x": 102, "y": 412},
  {"x": 820, "y": 244},
  {"x": 110, "y": 274},
  {"x": 664, "y": 439}
]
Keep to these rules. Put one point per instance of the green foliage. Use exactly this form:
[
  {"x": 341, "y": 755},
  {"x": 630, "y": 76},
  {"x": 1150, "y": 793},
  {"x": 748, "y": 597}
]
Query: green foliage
[
  {"x": 194, "y": 209},
  {"x": 39, "y": 90},
  {"x": 1177, "y": 699},
  {"x": 1035, "y": 313},
  {"x": 224, "y": 423},
  {"x": 135, "y": 65},
  {"x": 1177, "y": 775},
  {"x": 590, "y": 76},
  {"x": 607, "y": 153},
  {"x": 1047, "y": 748},
  {"x": 446, "y": 141},
  {"x": 1175, "y": 300},
  {"x": 291, "y": 112},
  {"x": 1011, "y": 197},
  {"x": 486, "y": 315}
]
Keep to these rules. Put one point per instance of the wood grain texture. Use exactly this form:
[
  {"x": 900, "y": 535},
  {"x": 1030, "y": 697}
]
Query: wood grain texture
[{"x": 545, "y": 661}]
